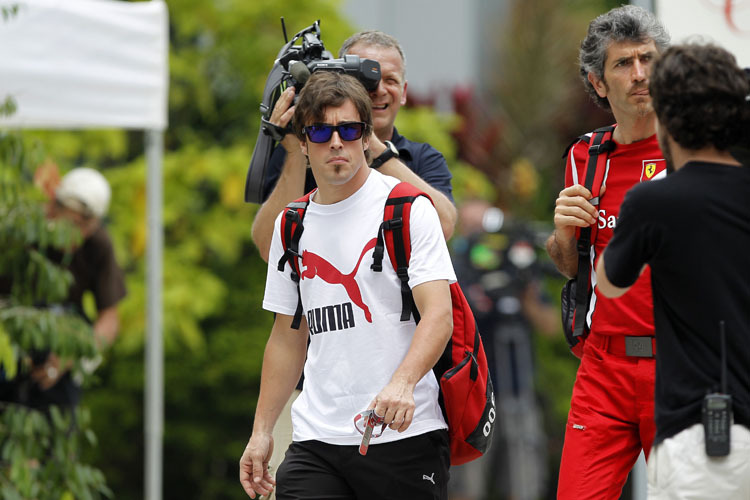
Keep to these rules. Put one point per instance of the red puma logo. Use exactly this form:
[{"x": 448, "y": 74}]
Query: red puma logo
[{"x": 315, "y": 265}]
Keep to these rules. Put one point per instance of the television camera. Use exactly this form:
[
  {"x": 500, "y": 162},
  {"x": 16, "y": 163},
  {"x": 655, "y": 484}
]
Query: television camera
[{"x": 292, "y": 67}]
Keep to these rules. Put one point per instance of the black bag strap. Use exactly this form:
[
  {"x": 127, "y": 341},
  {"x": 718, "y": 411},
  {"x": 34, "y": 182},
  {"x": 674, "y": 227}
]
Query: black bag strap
[
  {"x": 400, "y": 237},
  {"x": 291, "y": 231},
  {"x": 601, "y": 144}
]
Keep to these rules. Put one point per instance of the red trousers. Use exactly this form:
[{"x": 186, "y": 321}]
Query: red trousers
[{"x": 611, "y": 419}]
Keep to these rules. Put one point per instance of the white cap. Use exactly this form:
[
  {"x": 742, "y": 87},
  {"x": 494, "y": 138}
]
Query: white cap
[{"x": 84, "y": 190}]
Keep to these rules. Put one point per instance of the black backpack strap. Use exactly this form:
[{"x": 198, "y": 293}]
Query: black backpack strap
[
  {"x": 601, "y": 144},
  {"x": 400, "y": 232},
  {"x": 291, "y": 231}
]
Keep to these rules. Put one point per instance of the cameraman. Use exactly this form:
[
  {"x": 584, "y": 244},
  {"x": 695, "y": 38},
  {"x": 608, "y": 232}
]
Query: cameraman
[
  {"x": 693, "y": 229},
  {"x": 420, "y": 164}
]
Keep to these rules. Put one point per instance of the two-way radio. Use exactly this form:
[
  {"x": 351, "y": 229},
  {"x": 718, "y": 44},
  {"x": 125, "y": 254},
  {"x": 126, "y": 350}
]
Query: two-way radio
[{"x": 717, "y": 410}]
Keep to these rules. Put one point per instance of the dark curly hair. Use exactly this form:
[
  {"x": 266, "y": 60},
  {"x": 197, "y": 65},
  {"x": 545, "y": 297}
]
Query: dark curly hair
[{"x": 699, "y": 96}]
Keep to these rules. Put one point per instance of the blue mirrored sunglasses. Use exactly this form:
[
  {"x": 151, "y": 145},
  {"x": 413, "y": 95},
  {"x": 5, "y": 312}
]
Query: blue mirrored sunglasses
[{"x": 322, "y": 132}]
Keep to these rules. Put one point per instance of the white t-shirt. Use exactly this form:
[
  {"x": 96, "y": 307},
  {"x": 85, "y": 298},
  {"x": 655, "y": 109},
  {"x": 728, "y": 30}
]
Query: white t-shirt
[{"x": 356, "y": 337}]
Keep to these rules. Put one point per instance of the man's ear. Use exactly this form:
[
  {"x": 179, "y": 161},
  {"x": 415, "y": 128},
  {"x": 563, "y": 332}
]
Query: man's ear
[
  {"x": 599, "y": 85},
  {"x": 403, "y": 95},
  {"x": 303, "y": 147},
  {"x": 366, "y": 142}
]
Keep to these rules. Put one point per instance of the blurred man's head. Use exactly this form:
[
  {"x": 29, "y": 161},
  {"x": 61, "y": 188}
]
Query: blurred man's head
[
  {"x": 390, "y": 95},
  {"x": 471, "y": 216},
  {"x": 699, "y": 96},
  {"x": 83, "y": 197},
  {"x": 616, "y": 55},
  {"x": 333, "y": 121}
]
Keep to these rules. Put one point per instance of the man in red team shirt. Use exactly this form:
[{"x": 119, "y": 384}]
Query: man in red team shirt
[{"x": 612, "y": 408}]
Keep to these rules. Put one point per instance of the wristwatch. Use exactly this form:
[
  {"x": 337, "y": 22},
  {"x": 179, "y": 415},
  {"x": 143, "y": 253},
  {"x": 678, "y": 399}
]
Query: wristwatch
[{"x": 390, "y": 152}]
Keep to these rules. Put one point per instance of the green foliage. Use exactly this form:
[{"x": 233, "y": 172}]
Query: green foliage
[
  {"x": 39, "y": 454},
  {"x": 214, "y": 328},
  {"x": 207, "y": 226},
  {"x": 7, "y": 354},
  {"x": 221, "y": 55},
  {"x": 25, "y": 234},
  {"x": 422, "y": 124},
  {"x": 34, "y": 328}
]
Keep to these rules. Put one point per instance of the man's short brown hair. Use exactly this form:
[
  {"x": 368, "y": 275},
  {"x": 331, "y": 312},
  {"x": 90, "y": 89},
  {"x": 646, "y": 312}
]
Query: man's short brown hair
[{"x": 330, "y": 89}]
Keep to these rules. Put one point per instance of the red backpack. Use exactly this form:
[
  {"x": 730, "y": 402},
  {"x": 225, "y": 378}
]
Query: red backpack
[{"x": 467, "y": 398}]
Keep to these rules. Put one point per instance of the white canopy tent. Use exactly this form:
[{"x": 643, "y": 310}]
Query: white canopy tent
[
  {"x": 77, "y": 64},
  {"x": 85, "y": 63}
]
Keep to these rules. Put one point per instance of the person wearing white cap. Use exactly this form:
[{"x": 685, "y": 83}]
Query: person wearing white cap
[
  {"x": 85, "y": 191},
  {"x": 82, "y": 197}
]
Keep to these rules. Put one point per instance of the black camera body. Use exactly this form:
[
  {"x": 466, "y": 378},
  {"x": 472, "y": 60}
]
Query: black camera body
[{"x": 293, "y": 66}]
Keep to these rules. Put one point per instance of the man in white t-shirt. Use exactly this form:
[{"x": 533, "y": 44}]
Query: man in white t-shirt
[{"x": 361, "y": 356}]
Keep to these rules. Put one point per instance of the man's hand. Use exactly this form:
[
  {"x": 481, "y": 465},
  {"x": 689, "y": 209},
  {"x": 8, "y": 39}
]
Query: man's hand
[
  {"x": 281, "y": 115},
  {"x": 396, "y": 403},
  {"x": 49, "y": 373},
  {"x": 572, "y": 209},
  {"x": 377, "y": 147},
  {"x": 254, "y": 475}
]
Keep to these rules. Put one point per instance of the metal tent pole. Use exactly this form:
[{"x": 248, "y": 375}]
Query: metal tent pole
[{"x": 154, "y": 376}]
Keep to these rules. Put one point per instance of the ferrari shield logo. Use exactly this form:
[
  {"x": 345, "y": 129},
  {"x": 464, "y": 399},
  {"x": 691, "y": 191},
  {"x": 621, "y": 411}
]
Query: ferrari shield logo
[{"x": 653, "y": 169}]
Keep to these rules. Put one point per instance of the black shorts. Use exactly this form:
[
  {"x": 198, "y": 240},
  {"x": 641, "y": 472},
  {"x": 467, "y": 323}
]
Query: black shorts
[{"x": 414, "y": 468}]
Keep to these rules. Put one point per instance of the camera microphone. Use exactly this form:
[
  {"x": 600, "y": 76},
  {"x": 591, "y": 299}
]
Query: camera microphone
[{"x": 299, "y": 72}]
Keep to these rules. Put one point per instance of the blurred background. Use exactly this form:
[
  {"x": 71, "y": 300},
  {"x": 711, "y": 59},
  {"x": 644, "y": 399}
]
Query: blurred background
[{"x": 493, "y": 85}]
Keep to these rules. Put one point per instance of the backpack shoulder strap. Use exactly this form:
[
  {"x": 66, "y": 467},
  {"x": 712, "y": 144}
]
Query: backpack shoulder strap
[
  {"x": 395, "y": 236},
  {"x": 291, "y": 231},
  {"x": 599, "y": 148},
  {"x": 600, "y": 145}
]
